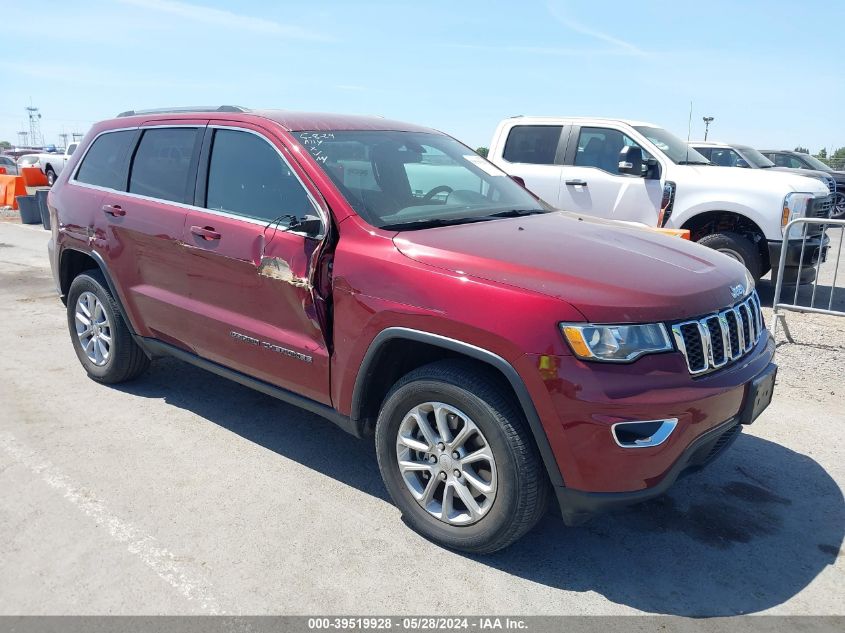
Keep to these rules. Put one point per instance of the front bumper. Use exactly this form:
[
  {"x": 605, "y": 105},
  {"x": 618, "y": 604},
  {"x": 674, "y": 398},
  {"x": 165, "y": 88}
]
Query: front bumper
[
  {"x": 578, "y": 506},
  {"x": 583, "y": 401},
  {"x": 814, "y": 247}
]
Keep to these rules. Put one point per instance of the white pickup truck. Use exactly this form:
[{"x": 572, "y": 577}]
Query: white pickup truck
[
  {"x": 639, "y": 172},
  {"x": 52, "y": 164}
]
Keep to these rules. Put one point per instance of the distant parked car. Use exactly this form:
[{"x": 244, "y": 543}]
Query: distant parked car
[
  {"x": 8, "y": 163},
  {"x": 798, "y": 160},
  {"x": 733, "y": 155},
  {"x": 28, "y": 160}
]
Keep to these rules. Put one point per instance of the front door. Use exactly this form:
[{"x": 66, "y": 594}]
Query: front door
[
  {"x": 593, "y": 185},
  {"x": 249, "y": 278}
]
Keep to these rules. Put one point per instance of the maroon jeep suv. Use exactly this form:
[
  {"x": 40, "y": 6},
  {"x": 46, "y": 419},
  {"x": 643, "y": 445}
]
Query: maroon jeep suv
[{"x": 386, "y": 277}]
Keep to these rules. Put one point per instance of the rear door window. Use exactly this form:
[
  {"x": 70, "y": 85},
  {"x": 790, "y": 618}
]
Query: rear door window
[
  {"x": 248, "y": 177},
  {"x": 104, "y": 165},
  {"x": 162, "y": 164},
  {"x": 533, "y": 144}
]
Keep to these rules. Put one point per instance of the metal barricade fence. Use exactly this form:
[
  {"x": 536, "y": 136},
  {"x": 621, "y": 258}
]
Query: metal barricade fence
[{"x": 778, "y": 305}]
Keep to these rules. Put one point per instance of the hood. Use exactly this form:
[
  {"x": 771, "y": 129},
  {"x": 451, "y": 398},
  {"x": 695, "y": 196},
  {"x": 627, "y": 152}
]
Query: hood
[
  {"x": 765, "y": 179},
  {"x": 610, "y": 272}
]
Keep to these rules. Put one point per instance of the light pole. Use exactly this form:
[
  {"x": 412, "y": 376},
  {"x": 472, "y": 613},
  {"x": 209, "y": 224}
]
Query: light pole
[{"x": 707, "y": 121}]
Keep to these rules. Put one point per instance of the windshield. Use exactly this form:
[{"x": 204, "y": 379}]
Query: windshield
[
  {"x": 814, "y": 162},
  {"x": 413, "y": 180},
  {"x": 676, "y": 149},
  {"x": 754, "y": 157},
  {"x": 29, "y": 159}
]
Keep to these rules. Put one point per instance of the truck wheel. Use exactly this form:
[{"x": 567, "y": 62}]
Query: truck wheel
[
  {"x": 838, "y": 212},
  {"x": 458, "y": 459},
  {"x": 51, "y": 176},
  {"x": 100, "y": 338},
  {"x": 738, "y": 247}
]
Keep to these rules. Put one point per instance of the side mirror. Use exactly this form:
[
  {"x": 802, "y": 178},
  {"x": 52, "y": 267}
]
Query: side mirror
[
  {"x": 631, "y": 161},
  {"x": 519, "y": 180},
  {"x": 652, "y": 169},
  {"x": 309, "y": 224},
  {"x": 740, "y": 162}
]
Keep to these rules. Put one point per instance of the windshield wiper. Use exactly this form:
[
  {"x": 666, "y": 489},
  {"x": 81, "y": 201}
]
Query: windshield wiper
[
  {"x": 430, "y": 223},
  {"x": 516, "y": 213}
]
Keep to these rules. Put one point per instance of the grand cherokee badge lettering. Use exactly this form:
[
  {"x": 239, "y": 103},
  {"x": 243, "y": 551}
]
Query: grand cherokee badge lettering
[{"x": 271, "y": 347}]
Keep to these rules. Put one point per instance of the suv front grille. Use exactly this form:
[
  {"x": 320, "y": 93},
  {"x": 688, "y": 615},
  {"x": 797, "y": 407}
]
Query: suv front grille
[{"x": 718, "y": 339}]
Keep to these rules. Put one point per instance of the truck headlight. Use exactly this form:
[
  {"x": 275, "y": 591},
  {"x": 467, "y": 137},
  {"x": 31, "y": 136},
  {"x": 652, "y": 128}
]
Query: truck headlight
[
  {"x": 615, "y": 343},
  {"x": 795, "y": 205}
]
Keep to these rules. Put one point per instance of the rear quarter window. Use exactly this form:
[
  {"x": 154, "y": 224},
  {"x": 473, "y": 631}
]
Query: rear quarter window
[
  {"x": 533, "y": 144},
  {"x": 104, "y": 165}
]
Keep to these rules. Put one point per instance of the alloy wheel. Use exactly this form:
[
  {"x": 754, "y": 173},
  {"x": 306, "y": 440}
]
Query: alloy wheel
[
  {"x": 94, "y": 328},
  {"x": 446, "y": 463}
]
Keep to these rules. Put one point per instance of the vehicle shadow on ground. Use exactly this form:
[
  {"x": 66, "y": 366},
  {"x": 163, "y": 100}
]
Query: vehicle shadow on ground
[{"x": 744, "y": 535}]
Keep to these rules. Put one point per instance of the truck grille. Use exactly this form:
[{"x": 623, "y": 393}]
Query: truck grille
[
  {"x": 821, "y": 207},
  {"x": 718, "y": 339}
]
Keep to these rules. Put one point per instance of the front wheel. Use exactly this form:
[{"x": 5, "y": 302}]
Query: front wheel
[
  {"x": 736, "y": 247},
  {"x": 838, "y": 212},
  {"x": 51, "y": 176},
  {"x": 458, "y": 459}
]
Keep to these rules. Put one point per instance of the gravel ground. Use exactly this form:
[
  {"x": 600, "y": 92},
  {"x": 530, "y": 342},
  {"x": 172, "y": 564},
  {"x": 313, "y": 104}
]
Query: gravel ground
[{"x": 183, "y": 493}]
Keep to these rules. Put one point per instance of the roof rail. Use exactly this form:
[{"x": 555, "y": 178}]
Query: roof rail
[{"x": 223, "y": 108}]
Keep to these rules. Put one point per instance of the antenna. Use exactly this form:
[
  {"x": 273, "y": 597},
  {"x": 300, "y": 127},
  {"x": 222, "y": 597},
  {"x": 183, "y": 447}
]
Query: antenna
[{"x": 689, "y": 131}]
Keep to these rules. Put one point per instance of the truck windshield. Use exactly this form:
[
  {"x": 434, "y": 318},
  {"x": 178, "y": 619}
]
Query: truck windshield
[
  {"x": 814, "y": 162},
  {"x": 674, "y": 148},
  {"x": 754, "y": 157},
  {"x": 415, "y": 180}
]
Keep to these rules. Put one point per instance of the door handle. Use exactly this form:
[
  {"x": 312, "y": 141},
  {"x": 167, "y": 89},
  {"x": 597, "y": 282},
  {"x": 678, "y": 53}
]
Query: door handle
[
  {"x": 576, "y": 183},
  {"x": 113, "y": 210},
  {"x": 205, "y": 232}
]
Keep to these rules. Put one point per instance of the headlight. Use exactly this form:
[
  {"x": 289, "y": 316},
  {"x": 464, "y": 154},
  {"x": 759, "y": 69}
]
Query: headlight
[
  {"x": 617, "y": 343},
  {"x": 795, "y": 205}
]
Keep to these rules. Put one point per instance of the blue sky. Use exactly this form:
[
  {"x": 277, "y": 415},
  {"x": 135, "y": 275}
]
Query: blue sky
[{"x": 766, "y": 70}]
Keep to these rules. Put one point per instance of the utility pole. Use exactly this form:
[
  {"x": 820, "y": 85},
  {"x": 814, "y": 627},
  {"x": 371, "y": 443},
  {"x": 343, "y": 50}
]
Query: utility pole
[
  {"x": 64, "y": 136},
  {"x": 707, "y": 121},
  {"x": 77, "y": 136},
  {"x": 22, "y": 138}
]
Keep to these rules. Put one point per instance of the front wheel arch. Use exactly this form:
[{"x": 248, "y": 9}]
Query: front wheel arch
[
  {"x": 711, "y": 222},
  {"x": 368, "y": 394}
]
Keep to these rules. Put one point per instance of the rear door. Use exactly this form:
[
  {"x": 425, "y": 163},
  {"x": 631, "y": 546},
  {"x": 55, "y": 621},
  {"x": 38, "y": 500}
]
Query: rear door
[
  {"x": 144, "y": 223},
  {"x": 535, "y": 154},
  {"x": 250, "y": 279},
  {"x": 593, "y": 185}
]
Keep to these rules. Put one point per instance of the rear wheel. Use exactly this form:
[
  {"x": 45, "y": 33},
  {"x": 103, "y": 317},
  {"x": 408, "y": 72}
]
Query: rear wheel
[
  {"x": 100, "y": 338},
  {"x": 736, "y": 247},
  {"x": 458, "y": 459}
]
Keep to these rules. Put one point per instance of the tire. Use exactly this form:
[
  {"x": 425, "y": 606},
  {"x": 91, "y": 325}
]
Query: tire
[
  {"x": 838, "y": 212},
  {"x": 737, "y": 247},
  {"x": 51, "y": 176},
  {"x": 122, "y": 360},
  {"x": 521, "y": 485}
]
